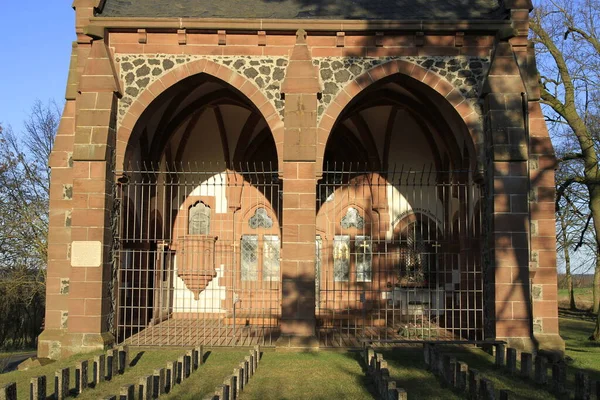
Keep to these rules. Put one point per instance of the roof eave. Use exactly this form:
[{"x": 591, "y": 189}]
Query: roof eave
[{"x": 322, "y": 25}]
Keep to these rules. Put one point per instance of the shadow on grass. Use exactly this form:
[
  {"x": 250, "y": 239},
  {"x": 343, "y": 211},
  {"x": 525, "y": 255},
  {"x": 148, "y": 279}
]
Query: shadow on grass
[{"x": 136, "y": 359}]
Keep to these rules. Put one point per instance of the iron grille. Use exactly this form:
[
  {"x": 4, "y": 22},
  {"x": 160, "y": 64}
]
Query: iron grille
[
  {"x": 197, "y": 255},
  {"x": 399, "y": 256}
]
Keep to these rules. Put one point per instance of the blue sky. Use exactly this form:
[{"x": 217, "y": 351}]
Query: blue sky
[{"x": 35, "y": 44}]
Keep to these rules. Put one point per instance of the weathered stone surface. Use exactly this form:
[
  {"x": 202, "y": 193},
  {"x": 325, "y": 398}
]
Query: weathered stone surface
[
  {"x": 37, "y": 388},
  {"x": 123, "y": 358},
  {"x": 582, "y": 386},
  {"x": 61, "y": 383},
  {"x": 127, "y": 392},
  {"x": 99, "y": 369},
  {"x": 145, "y": 388},
  {"x": 152, "y": 67},
  {"x": 541, "y": 370},
  {"x": 9, "y": 391},
  {"x": 486, "y": 389},
  {"x": 511, "y": 360},
  {"x": 171, "y": 377},
  {"x": 460, "y": 381},
  {"x": 112, "y": 362},
  {"x": 500, "y": 354},
  {"x": 473, "y": 383},
  {"x": 559, "y": 376},
  {"x": 526, "y": 365},
  {"x": 81, "y": 376},
  {"x": 158, "y": 382}
]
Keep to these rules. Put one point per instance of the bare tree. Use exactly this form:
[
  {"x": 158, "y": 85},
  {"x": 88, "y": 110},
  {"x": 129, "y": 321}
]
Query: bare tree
[
  {"x": 568, "y": 45},
  {"x": 24, "y": 190}
]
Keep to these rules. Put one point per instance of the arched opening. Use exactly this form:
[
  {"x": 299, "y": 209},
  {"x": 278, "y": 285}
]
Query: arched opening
[
  {"x": 200, "y": 161},
  {"x": 402, "y": 159}
]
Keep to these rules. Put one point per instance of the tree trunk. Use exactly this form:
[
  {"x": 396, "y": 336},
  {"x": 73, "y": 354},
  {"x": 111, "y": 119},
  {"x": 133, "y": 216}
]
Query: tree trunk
[
  {"x": 596, "y": 288},
  {"x": 596, "y": 335},
  {"x": 594, "y": 191},
  {"x": 565, "y": 246}
]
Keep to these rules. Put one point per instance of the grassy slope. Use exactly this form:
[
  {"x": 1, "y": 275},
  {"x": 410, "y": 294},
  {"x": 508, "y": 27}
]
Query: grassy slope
[
  {"x": 327, "y": 374},
  {"x": 585, "y": 354},
  {"x": 219, "y": 364},
  {"x": 313, "y": 375}
]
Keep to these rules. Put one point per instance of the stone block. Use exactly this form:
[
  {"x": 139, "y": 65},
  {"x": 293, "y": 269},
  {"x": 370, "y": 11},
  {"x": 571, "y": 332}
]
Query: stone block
[
  {"x": 506, "y": 395},
  {"x": 239, "y": 379},
  {"x": 460, "y": 381},
  {"x": 500, "y": 354},
  {"x": 582, "y": 386},
  {"x": 244, "y": 368},
  {"x": 526, "y": 365},
  {"x": 171, "y": 377},
  {"x": 559, "y": 377},
  {"x": 123, "y": 358},
  {"x": 451, "y": 372},
  {"x": 250, "y": 360},
  {"x": 37, "y": 388},
  {"x": 61, "y": 383},
  {"x": 486, "y": 389},
  {"x": 112, "y": 361},
  {"x": 426, "y": 351},
  {"x": 511, "y": 360},
  {"x": 99, "y": 369},
  {"x": 158, "y": 383},
  {"x": 473, "y": 383},
  {"x": 127, "y": 392},
  {"x": 378, "y": 360},
  {"x": 9, "y": 391},
  {"x": 399, "y": 394},
  {"x": 179, "y": 375},
  {"x": 81, "y": 376},
  {"x": 226, "y": 389},
  {"x": 541, "y": 370},
  {"x": 256, "y": 351},
  {"x": 145, "y": 388},
  {"x": 187, "y": 363},
  {"x": 233, "y": 392},
  {"x": 247, "y": 372},
  {"x": 195, "y": 358}
]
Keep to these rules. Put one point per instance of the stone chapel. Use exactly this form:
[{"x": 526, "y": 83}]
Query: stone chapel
[{"x": 301, "y": 173}]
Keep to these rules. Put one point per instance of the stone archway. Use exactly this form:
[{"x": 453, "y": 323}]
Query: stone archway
[{"x": 245, "y": 87}]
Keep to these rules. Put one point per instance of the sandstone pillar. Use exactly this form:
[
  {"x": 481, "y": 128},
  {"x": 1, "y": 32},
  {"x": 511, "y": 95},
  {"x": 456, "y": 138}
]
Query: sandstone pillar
[
  {"x": 520, "y": 166},
  {"x": 300, "y": 88}
]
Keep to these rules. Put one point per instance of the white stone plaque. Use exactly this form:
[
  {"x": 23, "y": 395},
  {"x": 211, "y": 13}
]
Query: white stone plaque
[{"x": 86, "y": 254}]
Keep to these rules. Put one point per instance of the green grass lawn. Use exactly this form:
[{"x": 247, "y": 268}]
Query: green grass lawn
[
  {"x": 583, "y": 354},
  {"x": 311, "y": 375},
  {"x": 327, "y": 374},
  {"x": 408, "y": 369},
  {"x": 219, "y": 364},
  {"x": 145, "y": 360}
]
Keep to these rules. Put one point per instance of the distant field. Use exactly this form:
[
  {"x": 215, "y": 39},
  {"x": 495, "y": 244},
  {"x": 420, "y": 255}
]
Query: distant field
[{"x": 583, "y": 298}]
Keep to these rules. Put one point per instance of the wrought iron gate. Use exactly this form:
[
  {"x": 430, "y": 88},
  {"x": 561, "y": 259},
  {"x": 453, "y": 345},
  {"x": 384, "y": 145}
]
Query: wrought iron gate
[
  {"x": 399, "y": 256},
  {"x": 198, "y": 256}
]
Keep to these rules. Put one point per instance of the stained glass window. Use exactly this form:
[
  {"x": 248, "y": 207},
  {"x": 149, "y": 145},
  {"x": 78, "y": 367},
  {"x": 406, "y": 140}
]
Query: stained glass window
[
  {"x": 271, "y": 258},
  {"x": 364, "y": 258},
  {"x": 341, "y": 258},
  {"x": 249, "y": 257}
]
